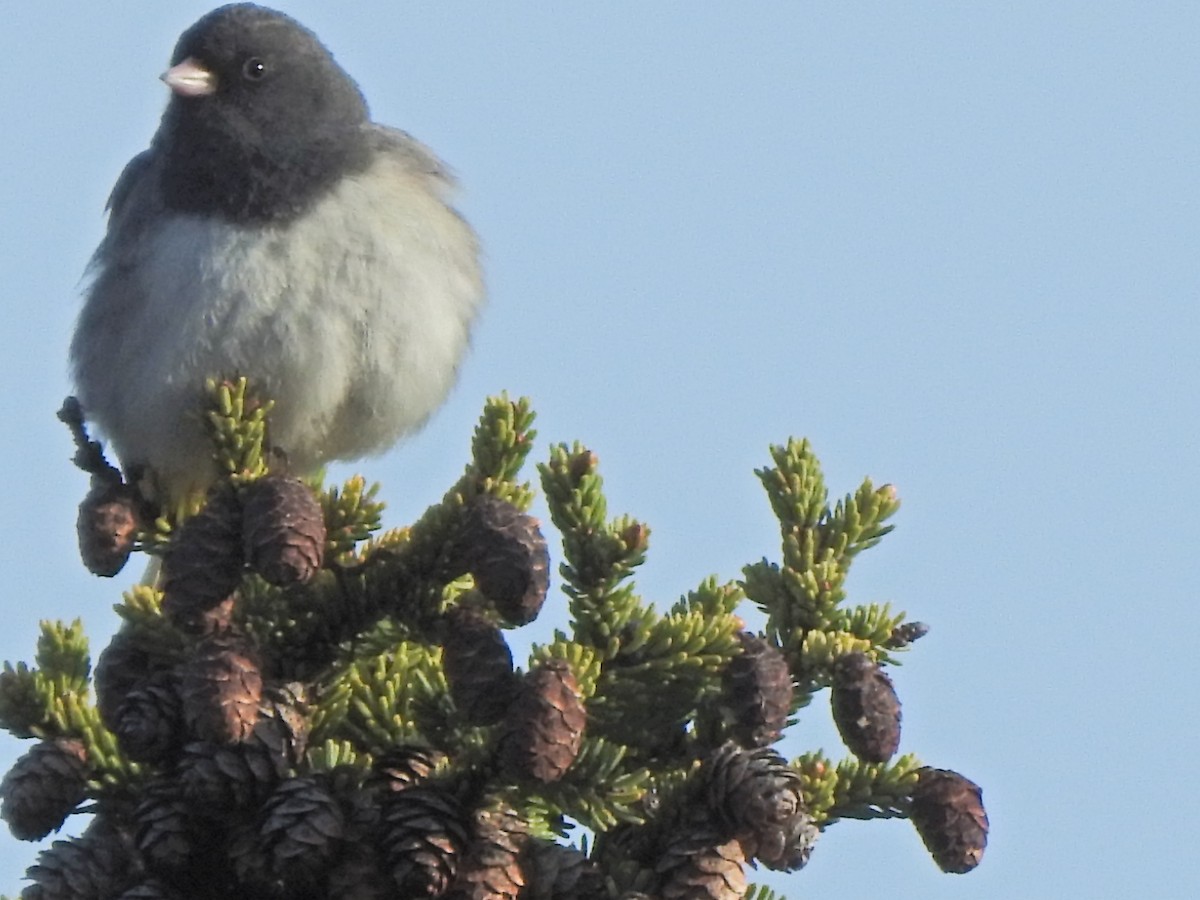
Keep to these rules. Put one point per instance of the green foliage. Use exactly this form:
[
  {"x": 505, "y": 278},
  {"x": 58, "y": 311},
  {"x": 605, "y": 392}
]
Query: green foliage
[
  {"x": 366, "y": 638},
  {"x": 352, "y": 515},
  {"x": 62, "y": 655},
  {"x": 803, "y": 594},
  {"x": 237, "y": 425},
  {"x": 395, "y": 697},
  {"x": 853, "y": 789}
]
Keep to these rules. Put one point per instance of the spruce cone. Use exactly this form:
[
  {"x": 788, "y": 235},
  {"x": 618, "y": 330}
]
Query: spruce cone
[
  {"x": 149, "y": 721},
  {"x": 555, "y": 872},
  {"x": 757, "y": 692},
  {"x": 424, "y": 839},
  {"x": 43, "y": 787},
  {"x": 166, "y": 835},
  {"x": 503, "y": 548},
  {"x": 221, "y": 686},
  {"x": 204, "y": 565},
  {"x": 699, "y": 865},
  {"x": 95, "y": 866},
  {"x": 491, "y": 869},
  {"x": 947, "y": 810},
  {"x": 397, "y": 769},
  {"x": 756, "y": 796},
  {"x": 301, "y": 828},
  {"x": 284, "y": 529},
  {"x": 407, "y": 766},
  {"x": 545, "y": 724},
  {"x": 107, "y": 525},
  {"x": 123, "y": 665},
  {"x": 865, "y": 708},
  {"x": 478, "y": 667},
  {"x": 220, "y": 779}
]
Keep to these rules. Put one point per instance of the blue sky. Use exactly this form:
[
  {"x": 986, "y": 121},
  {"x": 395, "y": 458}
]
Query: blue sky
[{"x": 953, "y": 244}]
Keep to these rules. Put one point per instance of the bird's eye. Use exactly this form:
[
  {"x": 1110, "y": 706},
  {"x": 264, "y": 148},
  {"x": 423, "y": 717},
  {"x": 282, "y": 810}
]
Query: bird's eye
[{"x": 254, "y": 69}]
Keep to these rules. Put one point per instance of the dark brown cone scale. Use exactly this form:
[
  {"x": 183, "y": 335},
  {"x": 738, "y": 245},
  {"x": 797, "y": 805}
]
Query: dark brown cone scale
[
  {"x": 491, "y": 869},
  {"x": 757, "y": 692},
  {"x": 545, "y": 724},
  {"x": 300, "y": 829},
  {"x": 221, "y": 687},
  {"x": 478, "y": 666},
  {"x": 700, "y": 864},
  {"x": 107, "y": 526},
  {"x": 123, "y": 665},
  {"x": 97, "y": 864},
  {"x": 947, "y": 810},
  {"x": 865, "y": 708},
  {"x": 204, "y": 564},
  {"x": 424, "y": 839},
  {"x": 503, "y": 548},
  {"x": 756, "y": 796},
  {"x": 284, "y": 530},
  {"x": 43, "y": 787},
  {"x": 149, "y": 720}
]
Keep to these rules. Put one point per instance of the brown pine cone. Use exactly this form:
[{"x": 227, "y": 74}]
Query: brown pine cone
[
  {"x": 699, "y": 864},
  {"x": 394, "y": 770},
  {"x": 503, "y": 548},
  {"x": 43, "y": 787},
  {"x": 300, "y": 829},
  {"x": 400, "y": 768},
  {"x": 478, "y": 666},
  {"x": 756, "y": 796},
  {"x": 757, "y": 692},
  {"x": 865, "y": 708},
  {"x": 221, "y": 687},
  {"x": 204, "y": 564},
  {"x": 947, "y": 810},
  {"x": 221, "y": 778},
  {"x": 123, "y": 665},
  {"x": 545, "y": 724},
  {"x": 284, "y": 530},
  {"x": 92, "y": 867},
  {"x": 424, "y": 838},
  {"x": 107, "y": 526},
  {"x": 149, "y": 721},
  {"x": 491, "y": 869},
  {"x": 555, "y": 872},
  {"x": 168, "y": 835}
]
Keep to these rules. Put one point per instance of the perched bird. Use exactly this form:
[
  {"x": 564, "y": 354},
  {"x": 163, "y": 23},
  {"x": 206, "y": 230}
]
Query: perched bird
[{"x": 272, "y": 231}]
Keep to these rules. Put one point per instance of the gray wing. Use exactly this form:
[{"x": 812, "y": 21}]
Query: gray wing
[
  {"x": 412, "y": 154},
  {"x": 131, "y": 176}
]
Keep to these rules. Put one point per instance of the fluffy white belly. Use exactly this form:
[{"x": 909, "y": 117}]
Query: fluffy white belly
[{"x": 352, "y": 318}]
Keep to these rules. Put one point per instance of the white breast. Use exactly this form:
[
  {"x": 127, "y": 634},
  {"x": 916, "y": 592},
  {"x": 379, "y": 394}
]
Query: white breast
[{"x": 352, "y": 318}]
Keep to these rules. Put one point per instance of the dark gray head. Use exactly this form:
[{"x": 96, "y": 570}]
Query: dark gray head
[{"x": 261, "y": 121}]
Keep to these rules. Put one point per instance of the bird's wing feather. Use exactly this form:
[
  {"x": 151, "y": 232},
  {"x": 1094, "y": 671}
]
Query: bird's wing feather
[
  {"x": 412, "y": 153},
  {"x": 129, "y": 179}
]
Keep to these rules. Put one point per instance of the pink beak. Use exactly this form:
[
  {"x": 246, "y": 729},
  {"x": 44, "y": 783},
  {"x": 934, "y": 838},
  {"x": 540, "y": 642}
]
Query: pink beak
[{"x": 190, "y": 79}]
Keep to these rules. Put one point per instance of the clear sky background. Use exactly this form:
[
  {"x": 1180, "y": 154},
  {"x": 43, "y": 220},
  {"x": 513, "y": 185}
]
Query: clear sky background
[{"x": 954, "y": 244}]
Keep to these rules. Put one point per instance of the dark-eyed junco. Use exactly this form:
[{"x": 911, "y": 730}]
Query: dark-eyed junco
[{"x": 273, "y": 231}]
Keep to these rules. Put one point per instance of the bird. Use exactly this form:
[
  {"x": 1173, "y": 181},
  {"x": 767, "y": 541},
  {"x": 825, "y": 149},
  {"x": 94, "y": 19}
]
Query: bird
[{"x": 272, "y": 231}]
